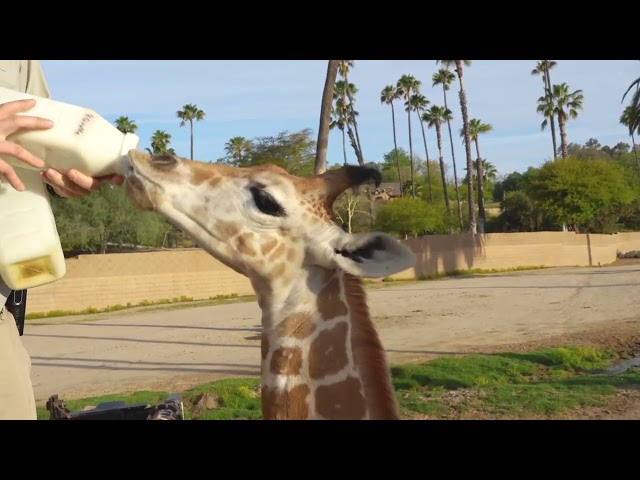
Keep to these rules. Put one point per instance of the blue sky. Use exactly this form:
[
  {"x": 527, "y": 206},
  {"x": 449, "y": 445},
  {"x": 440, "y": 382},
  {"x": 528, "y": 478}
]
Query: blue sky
[{"x": 253, "y": 98}]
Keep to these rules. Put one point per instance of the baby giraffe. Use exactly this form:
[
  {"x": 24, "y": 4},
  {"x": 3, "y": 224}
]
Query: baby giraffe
[{"x": 321, "y": 354}]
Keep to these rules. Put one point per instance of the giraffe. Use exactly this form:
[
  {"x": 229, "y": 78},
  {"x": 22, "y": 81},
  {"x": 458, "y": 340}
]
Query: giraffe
[{"x": 321, "y": 356}]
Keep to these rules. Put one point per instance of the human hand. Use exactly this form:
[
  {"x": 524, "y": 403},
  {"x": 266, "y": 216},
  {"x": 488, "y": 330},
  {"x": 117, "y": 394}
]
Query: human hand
[
  {"x": 74, "y": 184},
  {"x": 11, "y": 122}
]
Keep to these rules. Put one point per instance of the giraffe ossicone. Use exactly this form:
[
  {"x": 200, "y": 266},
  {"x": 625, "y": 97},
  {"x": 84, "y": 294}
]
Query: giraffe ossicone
[{"x": 321, "y": 356}]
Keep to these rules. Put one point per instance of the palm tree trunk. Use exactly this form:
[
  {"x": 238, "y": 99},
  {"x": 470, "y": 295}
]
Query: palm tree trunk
[
  {"x": 441, "y": 161},
  {"x": 355, "y": 123},
  {"x": 325, "y": 118},
  {"x": 453, "y": 160},
  {"x": 467, "y": 146},
  {"x": 635, "y": 153},
  {"x": 413, "y": 186},
  {"x": 191, "y": 122},
  {"x": 547, "y": 78},
  {"x": 395, "y": 144},
  {"x": 481, "y": 212},
  {"x": 344, "y": 147},
  {"x": 563, "y": 134},
  {"x": 426, "y": 151}
]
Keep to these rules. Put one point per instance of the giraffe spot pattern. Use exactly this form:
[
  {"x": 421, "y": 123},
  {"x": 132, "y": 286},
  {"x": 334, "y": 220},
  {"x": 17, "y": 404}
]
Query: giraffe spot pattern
[
  {"x": 264, "y": 346},
  {"x": 296, "y": 325},
  {"x": 244, "y": 246},
  {"x": 227, "y": 229},
  {"x": 341, "y": 401},
  {"x": 268, "y": 245},
  {"x": 286, "y": 361},
  {"x": 279, "y": 405},
  {"x": 330, "y": 305},
  {"x": 328, "y": 352}
]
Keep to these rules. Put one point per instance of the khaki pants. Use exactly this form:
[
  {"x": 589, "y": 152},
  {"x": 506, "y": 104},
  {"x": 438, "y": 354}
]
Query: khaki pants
[{"x": 17, "y": 401}]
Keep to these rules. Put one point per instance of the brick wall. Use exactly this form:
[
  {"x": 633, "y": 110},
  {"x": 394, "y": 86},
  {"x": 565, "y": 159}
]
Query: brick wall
[{"x": 102, "y": 280}]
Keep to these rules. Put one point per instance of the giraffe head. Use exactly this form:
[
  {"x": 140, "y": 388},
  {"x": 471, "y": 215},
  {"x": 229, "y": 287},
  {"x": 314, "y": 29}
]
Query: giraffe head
[{"x": 262, "y": 221}]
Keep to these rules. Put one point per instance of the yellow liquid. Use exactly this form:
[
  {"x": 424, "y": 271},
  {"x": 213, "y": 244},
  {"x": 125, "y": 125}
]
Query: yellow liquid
[{"x": 31, "y": 272}]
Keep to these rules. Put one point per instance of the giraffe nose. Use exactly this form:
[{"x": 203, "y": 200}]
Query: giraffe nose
[{"x": 163, "y": 161}]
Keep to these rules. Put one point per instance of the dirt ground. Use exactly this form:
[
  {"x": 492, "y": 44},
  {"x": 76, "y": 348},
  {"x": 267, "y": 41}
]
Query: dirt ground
[{"x": 172, "y": 349}]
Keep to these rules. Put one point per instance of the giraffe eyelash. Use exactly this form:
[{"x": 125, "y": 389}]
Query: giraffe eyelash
[{"x": 266, "y": 203}]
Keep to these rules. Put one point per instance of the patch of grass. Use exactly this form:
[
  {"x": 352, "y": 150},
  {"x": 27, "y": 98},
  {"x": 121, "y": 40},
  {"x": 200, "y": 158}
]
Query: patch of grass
[
  {"x": 478, "y": 271},
  {"x": 544, "y": 381},
  {"x": 164, "y": 303}
]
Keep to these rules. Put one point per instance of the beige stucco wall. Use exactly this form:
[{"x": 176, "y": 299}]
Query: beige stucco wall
[{"x": 103, "y": 280}]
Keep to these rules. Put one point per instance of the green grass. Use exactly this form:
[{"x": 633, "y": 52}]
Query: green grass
[{"x": 544, "y": 381}]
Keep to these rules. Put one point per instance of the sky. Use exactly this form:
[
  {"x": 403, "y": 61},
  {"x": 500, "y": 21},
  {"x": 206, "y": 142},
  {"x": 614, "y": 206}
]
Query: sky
[{"x": 255, "y": 98}]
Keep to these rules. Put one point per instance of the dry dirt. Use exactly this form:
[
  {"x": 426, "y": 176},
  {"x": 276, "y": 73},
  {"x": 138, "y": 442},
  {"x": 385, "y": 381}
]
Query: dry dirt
[{"x": 175, "y": 349}]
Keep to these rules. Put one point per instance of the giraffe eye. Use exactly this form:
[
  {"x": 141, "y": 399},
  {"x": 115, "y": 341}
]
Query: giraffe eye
[{"x": 266, "y": 203}]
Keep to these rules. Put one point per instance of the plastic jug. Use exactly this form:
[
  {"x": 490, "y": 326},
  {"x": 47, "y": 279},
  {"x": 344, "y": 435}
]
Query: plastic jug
[{"x": 30, "y": 250}]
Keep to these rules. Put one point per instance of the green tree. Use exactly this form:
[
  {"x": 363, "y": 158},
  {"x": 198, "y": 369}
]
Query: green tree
[
  {"x": 445, "y": 77},
  {"x": 627, "y": 119},
  {"x": 347, "y": 114},
  {"x": 408, "y": 85},
  {"x": 575, "y": 192},
  {"x": 459, "y": 64},
  {"x": 543, "y": 67},
  {"x": 418, "y": 103},
  {"x": 565, "y": 105},
  {"x": 409, "y": 216},
  {"x": 125, "y": 125},
  {"x": 344, "y": 67},
  {"x": 189, "y": 113},
  {"x": 338, "y": 121},
  {"x": 519, "y": 214},
  {"x": 434, "y": 118},
  {"x": 476, "y": 128},
  {"x": 238, "y": 148},
  {"x": 320, "y": 163},
  {"x": 160, "y": 141},
  {"x": 634, "y": 118},
  {"x": 388, "y": 95}
]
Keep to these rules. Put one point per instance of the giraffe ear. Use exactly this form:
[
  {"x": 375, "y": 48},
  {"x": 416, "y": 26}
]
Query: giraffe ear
[{"x": 372, "y": 255}]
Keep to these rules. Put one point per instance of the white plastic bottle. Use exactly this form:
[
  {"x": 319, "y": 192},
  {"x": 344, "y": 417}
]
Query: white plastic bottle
[{"x": 30, "y": 250}]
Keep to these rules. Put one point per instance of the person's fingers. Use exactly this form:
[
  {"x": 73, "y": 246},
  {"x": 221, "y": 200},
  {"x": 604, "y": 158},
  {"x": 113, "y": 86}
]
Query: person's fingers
[
  {"x": 14, "y": 123},
  {"x": 84, "y": 181},
  {"x": 16, "y": 151},
  {"x": 16, "y": 106},
  {"x": 7, "y": 172},
  {"x": 61, "y": 182}
]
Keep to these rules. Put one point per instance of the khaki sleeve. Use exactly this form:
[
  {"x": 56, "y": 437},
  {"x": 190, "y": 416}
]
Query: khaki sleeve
[{"x": 36, "y": 82}]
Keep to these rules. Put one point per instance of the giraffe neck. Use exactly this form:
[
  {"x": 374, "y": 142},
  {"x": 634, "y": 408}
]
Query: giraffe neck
[{"x": 321, "y": 355}]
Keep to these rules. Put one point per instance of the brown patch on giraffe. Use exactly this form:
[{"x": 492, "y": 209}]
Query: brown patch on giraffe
[
  {"x": 227, "y": 229},
  {"x": 279, "y": 270},
  {"x": 215, "y": 181},
  {"x": 328, "y": 352},
  {"x": 330, "y": 305},
  {"x": 341, "y": 401},
  {"x": 278, "y": 252},
  {"x": 291, "y": 255},
  {"x": 296, "y": 325},
  {"x": 264, "y": 346},
  {"x": 369, "y": 356},
  {"x": 199, "y": 174},
  {"x": 286, "y": 361},
  {"x": 283, "y": 405},
  {"x": 243, "y": 244},
  {"x": 268, "y": 245}
]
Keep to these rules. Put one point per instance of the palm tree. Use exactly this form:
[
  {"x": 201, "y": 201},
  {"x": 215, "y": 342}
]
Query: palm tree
[
  {"x": 476, "y": 128},
  {"x": 344, "y": 66},
  {"x": 542, "y": 68},
  {"x": 459, "y": 64},
  {"x": 337, "y": 120},
  {"x": 434, "y": 118},
  {"x": 320, "y": 165},
  {"x": 189, "y": 113},
  {"x": 489, "y": 171},
  {"x": 387, "y": 96},
  {"x": 445, "y": 77},
  {"x": 238, "y": 148},
  {"x": 419, "y": 103},
  {"x": 340, "y": 93},
  {"x": 407, "y": 85},
  {"x": 627, "y": 119},
  {"x": 634, "y": 121},
  {"x": 125, "y": 125},
  {"x": 565, "y": 105},
  {"x": 160, "y": 143}
]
